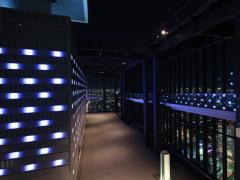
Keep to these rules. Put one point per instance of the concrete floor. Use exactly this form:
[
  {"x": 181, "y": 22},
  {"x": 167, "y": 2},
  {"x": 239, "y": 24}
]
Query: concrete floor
[{"x": 114, "y": 151}]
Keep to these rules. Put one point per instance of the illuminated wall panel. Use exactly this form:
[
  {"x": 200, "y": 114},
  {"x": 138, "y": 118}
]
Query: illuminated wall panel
[{"x": 43, "y": 96}]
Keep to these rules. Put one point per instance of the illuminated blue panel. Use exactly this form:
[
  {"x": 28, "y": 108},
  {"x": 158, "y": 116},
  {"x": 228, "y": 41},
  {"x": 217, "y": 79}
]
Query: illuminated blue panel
[
  {"x": 3, "y": 141},
  {"x": 2, "y": 50},
  {"x": 28, "y": 52},
  {"x": 29, "y": 110},
  {"x": 30, "y": 167},
  {"x": 43, "y": 67},
  {"x": 58, "y": 108},
  {"x": 43, "y": 151},
  {"x": 58, "y": 135},
  {"x": 44, "y": 95},
  {"x": 58, "y": 162},
  {"x": 57, "y": 54},
  {"x": 29, "y": 81},
  {"x": 14, "y": 155},
  {"x": 14, "y": 125},
  {"x": 3, "y": 111},
  {"x": 43, "y": 123},
  {"x": 13, "y": 66},
  {"x": 3, "y": 81},
  {"x": 2, "y": 172},
  {"x": 57, "y": 81},
  {"x": 13, "y": 95},
  {"x": 30, "y": 138}
]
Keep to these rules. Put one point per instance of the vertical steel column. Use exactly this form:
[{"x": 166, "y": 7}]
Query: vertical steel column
[
  {"x": 115, "y": 94},
  {"x": 156, "y": 103},
  {"x": 146, "y": 99},
  {"x": 104, "y": 94},
  {"x": 237, "y": 87},
  {"x": 123, "y": 95}
]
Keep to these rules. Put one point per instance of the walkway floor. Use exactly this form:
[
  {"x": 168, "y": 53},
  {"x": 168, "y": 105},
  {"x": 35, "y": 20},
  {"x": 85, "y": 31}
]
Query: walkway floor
[{"x": 114, "y": 151}]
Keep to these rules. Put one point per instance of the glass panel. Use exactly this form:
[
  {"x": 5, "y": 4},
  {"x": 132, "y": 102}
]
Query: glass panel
[
  {"x": 210, "y": 155},
  {"x": 201, "y": 139},
  {"x": 230, "y": 128},
  {"x": 230, "y": 158},
  {"x": 188, "y": 143},
  {"x": 219, "y": 151},
  {"x": 194, "y": 138},
  {"x": 210, "y": 145}
]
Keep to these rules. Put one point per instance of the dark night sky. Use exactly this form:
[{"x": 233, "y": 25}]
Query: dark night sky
[{"x": 126, "y": 23}]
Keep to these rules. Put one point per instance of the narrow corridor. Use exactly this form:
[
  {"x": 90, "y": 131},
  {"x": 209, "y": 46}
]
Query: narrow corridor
[{"x": 114, "y": 151}]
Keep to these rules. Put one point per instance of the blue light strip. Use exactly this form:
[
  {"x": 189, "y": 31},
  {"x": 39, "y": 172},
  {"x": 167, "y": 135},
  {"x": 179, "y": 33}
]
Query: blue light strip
[
  {"x": 28, "y": 52},
  {"x": 33, "y": 52},
  {"x": 21, "y": 154},
  {"x": 34, "y": 167},
  {"x": 33, "y": 138},
  {"x": 2, "y": 50},
  {"x": 31, "y": 110},
  {"x": 28, "y": 95},
  {"x": 220, "y": 114},
  {"x": 32, "y": 81},
  {"x": 140, "y": 101},
  {"x": 19, "y": 66}
]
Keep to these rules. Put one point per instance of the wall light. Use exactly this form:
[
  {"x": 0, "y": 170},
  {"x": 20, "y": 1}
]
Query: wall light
[
  {"x": 57, "y": 54},
  {"x": 44, "y": 95},
  {"x": 3, "y": 111},
  {"x": 2, "y": 141},
  {"x": 58, "y": 135},
  {"x": 58, "y": 162},
  {"x": 30, "y": 138},
  {"x": 44, "y": 123},
  {"x": 13, "y": 95},
  {"x": 29, "y": 109},
  {"x": 28, "y": 80},
  {"x": 2, "y": 172},
  {"x": 13, "y": 66},
  {"x": 29, "y": 167},
  {"x": 3, "y": 81},
  {"x": 44, "y": 151},
  {"x": 28, "y": 52},
  {"x": 14, "y": 125},
  {"x": 43, "y": 67},
  {"x": 58, "y": 108},
  {"x": 14, "y": 155},
  {"x": 57, "y": 81}
]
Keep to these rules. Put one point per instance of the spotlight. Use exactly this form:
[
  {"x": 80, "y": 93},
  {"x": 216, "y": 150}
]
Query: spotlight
[{"x": 164, "y": 32}]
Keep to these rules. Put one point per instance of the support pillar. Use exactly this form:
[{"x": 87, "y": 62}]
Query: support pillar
[
  {"x": 156, "y": 104},
  {"x": 145, "y": 84},
  {"x": 237, "y": 87},
  {"x": 123, "y": 95}
]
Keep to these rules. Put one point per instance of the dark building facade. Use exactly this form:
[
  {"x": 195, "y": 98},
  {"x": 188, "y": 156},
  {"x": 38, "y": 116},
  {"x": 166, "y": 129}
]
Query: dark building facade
[{"x": 43, "y": 98}]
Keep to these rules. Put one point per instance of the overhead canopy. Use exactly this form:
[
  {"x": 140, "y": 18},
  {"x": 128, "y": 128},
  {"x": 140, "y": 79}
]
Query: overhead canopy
[{"x": 76, "y": 9}]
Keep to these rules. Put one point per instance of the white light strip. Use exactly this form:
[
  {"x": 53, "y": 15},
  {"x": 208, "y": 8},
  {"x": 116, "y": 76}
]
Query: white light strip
[
  {"x": 29, "y": 110},
  {"x": 44, "y": 95},
  {"x": 14, "y": 155},
  {"x": 13, "y": 66},
  {"x": 43, "y": 67},
  {"x": 30, "y": 167},
  {"x": 30, "y": 138},
  {"x": 58, "y": 162},
  {"x": 28, "y": 52},
  {"x": 28, "y": 80},
  {"x": 13, "y": 125},
  {"x": 13, "y": 95}
]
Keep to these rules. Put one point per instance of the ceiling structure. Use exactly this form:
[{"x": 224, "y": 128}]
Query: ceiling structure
[{"x": 118, "y": 31}]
